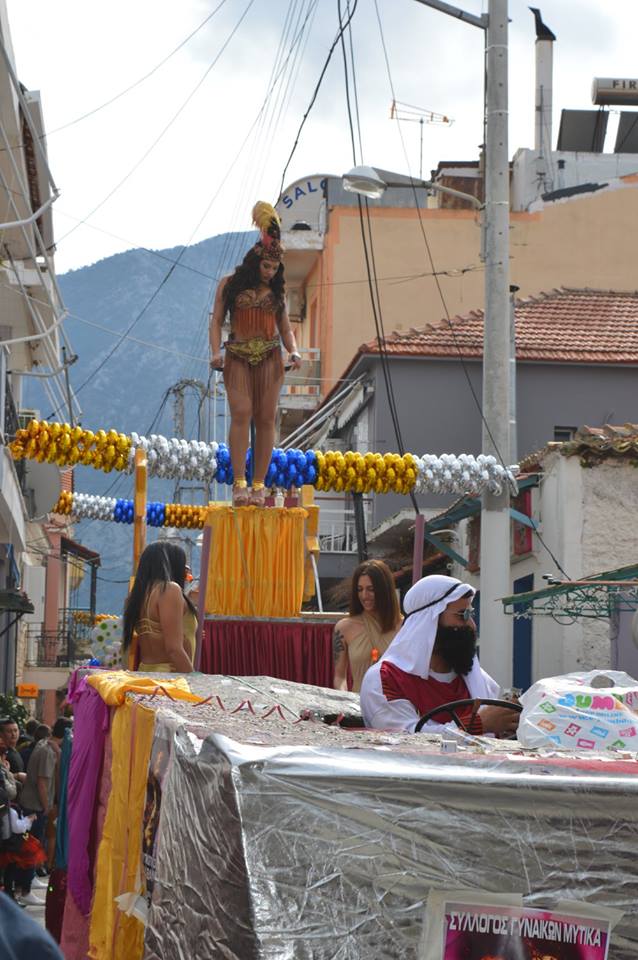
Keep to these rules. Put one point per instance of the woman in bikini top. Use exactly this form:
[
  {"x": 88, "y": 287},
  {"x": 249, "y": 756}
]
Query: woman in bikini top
[{"x": 157, "y": 615}]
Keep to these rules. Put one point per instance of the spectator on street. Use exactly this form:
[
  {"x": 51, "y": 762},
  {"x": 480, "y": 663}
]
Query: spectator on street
[
  {"x": 22, "y": 938},
  {"x": 37, "y": 796},
  {"x": 9, "y": 735},
  {"x": 26, "y": 742}
]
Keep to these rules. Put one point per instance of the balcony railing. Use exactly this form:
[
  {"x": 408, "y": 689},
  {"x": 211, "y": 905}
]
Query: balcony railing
[
  {"x": 64, "y": 647},
  {"x": 302, "y": 388},
  {"x": 51, "y": 649},
  {"x": 337, "y": 527}
]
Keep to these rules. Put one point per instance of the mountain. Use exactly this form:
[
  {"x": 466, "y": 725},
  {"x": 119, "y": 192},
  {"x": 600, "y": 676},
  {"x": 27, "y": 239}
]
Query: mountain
[{"x": 169, "y": 306}]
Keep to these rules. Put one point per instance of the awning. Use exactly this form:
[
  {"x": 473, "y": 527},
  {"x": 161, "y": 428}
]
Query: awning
[
  {"x": 75, "y": 549},
  {"x": 15, "y": 601},
  {"x": 593, "y": 598}
]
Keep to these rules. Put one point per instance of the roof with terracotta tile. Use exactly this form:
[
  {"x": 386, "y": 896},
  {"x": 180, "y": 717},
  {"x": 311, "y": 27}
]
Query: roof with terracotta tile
[
  {"x": 593, "y": 445},
  {"x": 563, "y": 326}
]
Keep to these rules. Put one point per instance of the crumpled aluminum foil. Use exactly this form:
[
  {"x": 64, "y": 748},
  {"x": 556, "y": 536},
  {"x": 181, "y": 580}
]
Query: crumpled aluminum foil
[{"x": 291, "y": 842}]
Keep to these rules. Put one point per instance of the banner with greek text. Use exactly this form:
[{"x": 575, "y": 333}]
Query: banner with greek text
[{"x": 470, "y": 930}]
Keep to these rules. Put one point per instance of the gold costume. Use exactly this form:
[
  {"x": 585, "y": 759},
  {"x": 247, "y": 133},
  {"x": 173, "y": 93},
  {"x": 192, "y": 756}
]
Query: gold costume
[
  {"x": 148, "y": 626},
  {"x": 253, "y": 362}
]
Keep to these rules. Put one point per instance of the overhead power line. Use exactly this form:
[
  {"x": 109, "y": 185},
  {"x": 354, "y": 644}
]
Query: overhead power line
[
  {"x": 165, "y": 129},
  {"x": 440, "y": 289},
  {"x": 315, "y": 93},
  {"x": 142, "y": 79}
]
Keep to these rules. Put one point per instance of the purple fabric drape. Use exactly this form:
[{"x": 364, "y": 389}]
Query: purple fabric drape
[
  {"x": 89, "y": 732},
  {"x": 288, "y": 650}
]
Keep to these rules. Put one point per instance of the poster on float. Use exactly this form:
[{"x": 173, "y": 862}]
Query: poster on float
[
  {"x": 474, "y": 929},
  {"x": 157, "y": 770}
]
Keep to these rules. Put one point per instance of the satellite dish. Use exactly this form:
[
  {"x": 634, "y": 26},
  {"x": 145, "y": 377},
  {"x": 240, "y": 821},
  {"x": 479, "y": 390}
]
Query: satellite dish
[{"x": 42, "y": 485}]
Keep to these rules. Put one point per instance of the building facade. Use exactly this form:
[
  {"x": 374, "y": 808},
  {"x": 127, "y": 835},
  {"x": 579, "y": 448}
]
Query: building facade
[
  {"x": 32, "y": 342},
  {"x": 583, "y": 507}
]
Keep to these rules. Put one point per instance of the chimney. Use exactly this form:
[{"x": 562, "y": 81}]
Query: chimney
[{"x": 544, "y": 87}]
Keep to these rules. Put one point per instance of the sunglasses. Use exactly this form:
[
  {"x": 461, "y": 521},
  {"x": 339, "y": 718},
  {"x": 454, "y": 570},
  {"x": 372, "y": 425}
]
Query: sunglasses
[{"x": 467, "y": 614}]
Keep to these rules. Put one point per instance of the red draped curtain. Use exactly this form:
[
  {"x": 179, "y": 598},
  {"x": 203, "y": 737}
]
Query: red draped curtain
[{"x": 288, "y": 650}]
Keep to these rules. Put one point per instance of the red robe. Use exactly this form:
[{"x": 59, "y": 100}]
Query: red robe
[{"x": 425, "y": 694}]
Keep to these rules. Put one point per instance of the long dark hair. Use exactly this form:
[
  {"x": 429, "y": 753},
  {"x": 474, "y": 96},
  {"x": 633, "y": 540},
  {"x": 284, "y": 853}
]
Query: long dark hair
[
  {"x": 387, "y": 610},
  {"x": 161, "y": 562},
  {"x": 246, "y": 277}
]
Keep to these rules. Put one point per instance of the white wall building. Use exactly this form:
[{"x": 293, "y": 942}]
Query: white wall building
[
  {"x": 31, "y": 334},
  {"x": 585, "y": 508}
]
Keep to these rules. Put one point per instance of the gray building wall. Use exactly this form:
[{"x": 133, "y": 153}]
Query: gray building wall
[{"x": 438, "y": 414}]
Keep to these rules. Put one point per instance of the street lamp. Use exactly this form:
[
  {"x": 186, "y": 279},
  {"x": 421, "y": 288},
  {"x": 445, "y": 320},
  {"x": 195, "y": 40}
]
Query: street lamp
[{"x": 368, "y": 182}]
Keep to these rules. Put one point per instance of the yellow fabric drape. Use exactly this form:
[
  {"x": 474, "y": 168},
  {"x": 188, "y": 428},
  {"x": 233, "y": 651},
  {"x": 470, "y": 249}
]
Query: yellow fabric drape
[
  {"x": 113, "y": 935},
  {"x": 113, "y": 686},
  {"x": 312, "y": 541},
  {"x": 256, "y": 566}
]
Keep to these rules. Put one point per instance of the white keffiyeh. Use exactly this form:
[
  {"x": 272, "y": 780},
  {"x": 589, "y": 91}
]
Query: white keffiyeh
[{"x": 411, "y": 651}]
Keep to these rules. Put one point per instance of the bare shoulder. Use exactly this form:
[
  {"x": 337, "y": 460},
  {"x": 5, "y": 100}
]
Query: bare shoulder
[
  {"x": 171, "y": 594},
  {"x": 347, "y": 627}
]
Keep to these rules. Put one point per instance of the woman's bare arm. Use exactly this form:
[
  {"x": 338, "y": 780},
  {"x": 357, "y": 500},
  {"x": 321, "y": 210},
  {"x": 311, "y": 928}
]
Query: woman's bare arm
[
  {"x": 170, "y": 609},
  {"x": 288, "y": 338},
  {"x": 340, "y": 655}
]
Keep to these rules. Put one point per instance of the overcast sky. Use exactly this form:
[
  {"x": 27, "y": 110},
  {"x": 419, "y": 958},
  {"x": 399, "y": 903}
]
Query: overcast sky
[{"x": 215, "y": 158}]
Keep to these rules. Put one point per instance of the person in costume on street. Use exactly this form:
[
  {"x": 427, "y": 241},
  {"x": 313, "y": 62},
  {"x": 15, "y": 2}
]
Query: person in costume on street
[
  {"x": 22, "y": 852},
  {"x": 253, "y": 298},
  {"x": 372, "y": 622},
  {"x": 162, "y": 618},
  {"x": 432, "y": 661},
  {"x": 22, "y": 937}
]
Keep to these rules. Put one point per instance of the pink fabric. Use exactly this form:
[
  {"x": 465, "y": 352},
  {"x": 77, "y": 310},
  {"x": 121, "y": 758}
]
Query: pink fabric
[
  {"x": 75, "y": 931},
  {"x": 90, "y": 729},
  {"x": 285, "y": 649},
  {"x": 74, "y": 941}
]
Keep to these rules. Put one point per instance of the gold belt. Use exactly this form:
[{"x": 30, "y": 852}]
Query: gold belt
[{"x": 254, "y": 350}]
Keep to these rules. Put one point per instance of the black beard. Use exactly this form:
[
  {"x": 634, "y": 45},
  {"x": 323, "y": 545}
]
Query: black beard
[{"x": 457, "y": 646}]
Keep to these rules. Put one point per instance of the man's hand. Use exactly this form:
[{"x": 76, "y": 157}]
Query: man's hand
[
  {"x": 217, "y": 361},
  {"x": 499, "y": 720}
]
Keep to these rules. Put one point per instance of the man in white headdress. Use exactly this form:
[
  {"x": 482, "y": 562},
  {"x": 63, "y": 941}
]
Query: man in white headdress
[{"x": 432, "y": 661}]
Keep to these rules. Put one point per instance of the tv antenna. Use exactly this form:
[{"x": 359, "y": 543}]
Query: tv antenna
[{"x": 411, "y": 114}]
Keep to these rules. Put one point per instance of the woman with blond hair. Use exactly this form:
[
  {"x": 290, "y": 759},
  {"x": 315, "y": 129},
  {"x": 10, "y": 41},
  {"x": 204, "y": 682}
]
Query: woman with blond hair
[{"x": 373, "y": 619}]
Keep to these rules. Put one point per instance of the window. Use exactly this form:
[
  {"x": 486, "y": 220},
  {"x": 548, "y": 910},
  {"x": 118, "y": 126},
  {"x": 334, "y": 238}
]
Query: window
[{"x": 564, "y": 434}]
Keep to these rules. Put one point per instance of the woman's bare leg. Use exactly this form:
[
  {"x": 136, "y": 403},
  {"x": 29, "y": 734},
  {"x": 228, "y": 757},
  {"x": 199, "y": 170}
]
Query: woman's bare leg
[
  {"x": 265, "y": 419},
  {"x": 240, "y": 406}
]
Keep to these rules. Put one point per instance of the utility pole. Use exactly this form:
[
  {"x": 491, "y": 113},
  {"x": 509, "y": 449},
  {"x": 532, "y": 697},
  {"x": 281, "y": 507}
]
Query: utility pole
[
  {"x": 66, "y": 363},
  {"x": 201, "y": 391},
  {"x": 496, "y": 630}
]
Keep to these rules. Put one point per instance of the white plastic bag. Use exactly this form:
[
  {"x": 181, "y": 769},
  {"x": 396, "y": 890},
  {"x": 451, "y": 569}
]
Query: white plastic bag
[{"x": 581, "y": 711}]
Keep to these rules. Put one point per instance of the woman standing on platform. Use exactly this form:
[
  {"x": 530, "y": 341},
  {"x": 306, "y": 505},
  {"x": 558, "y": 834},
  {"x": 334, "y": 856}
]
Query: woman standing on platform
[
  {"x": 163, "y": 619},
  {"x": 373, "y": 620},
  {"x": 254, "y": 300}
]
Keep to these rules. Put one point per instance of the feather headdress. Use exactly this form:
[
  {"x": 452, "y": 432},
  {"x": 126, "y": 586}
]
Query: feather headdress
[{"x": 267, "y": 221}]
